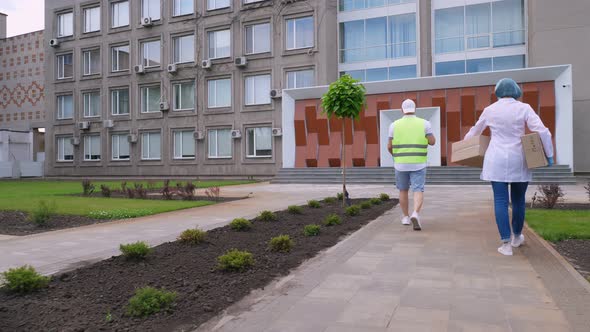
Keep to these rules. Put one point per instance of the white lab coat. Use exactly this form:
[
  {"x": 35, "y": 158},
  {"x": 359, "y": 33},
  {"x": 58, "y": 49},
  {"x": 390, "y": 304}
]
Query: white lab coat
[{"x": 504, "y": 160}]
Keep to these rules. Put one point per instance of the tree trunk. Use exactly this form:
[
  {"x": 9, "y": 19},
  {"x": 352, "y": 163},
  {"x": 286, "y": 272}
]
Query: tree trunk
[{"x": 343, "y": 164}]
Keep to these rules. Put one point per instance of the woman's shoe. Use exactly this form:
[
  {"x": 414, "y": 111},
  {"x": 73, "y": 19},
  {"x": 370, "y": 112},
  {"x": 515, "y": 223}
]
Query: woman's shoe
[
  {"x": 517, "y": 241},
  {"x": 506, "y": 249}
]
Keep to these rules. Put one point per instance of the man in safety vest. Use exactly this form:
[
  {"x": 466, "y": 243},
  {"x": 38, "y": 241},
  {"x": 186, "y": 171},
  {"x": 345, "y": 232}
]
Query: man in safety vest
[{"x": 409, "y": 138}]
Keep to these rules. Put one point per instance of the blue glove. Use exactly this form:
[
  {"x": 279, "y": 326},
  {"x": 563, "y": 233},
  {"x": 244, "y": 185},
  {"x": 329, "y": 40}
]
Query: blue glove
[{"x": 550, "y": 161}]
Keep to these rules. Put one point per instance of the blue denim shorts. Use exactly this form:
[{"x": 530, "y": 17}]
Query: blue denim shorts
[{"x": 415, "y": 179}]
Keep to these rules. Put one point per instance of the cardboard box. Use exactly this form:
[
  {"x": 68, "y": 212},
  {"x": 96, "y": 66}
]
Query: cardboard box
[
  {"x": 470, "y": 152},
  {"x": 533, "y": 151}
]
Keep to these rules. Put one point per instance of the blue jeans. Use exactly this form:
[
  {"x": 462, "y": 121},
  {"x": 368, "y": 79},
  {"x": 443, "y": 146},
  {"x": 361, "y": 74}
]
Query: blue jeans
[{"x": 501, "y": 200}]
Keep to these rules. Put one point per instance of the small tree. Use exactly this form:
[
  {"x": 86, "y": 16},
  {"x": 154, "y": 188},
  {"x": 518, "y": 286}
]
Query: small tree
[{"x": 344, "y": 100}]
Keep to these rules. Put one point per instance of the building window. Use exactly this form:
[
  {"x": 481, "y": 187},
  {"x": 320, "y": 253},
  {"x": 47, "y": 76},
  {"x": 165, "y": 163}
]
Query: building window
[
  {"x": 184, "y": 144},
  {"x": 150, "y": 53},
  {"x": 450, "y": 67},
  {"x": 219, "y": 93},
  {"x": 151, "y": 9},
  {"x": 91, "y": 19},
  {"x": 449, "y": 30},
  {"x": 65, "y": 107},
  {"x": 300, "y": 79},
  {"x": 183, "y": 7},
  {"x": 219, "y": 143},
  {"x": 120, "y": 58},
  {"x": 300, "y": 33},
  {"x": 259, "y": 142},
  {"x": 348, "y": 5},
  {"x": 401, "y": 72},
  {"x": 257, "y": 90},
  {"x": 508, "y": 62},
  {"x": 91, "y": 104},
  {"x": 65, "y": 24},
  {"x": 258, "y": 38},
  {"x": 184, "y": 49},
  {"x": 150, "y": 99},
  {"x": 65, "y": 149},
  {"x": 65, "y": 66},
  {"x": 184, "y": 96},
  {"x": 251, "y": 1},
  {"x": 120, "y": 101},
  {"x": 91, "y": 62},
  {"x": 219, "y": 44},
  {"x": 479, "y": 65},
  {"x": 119, "y": 14},
  {"x": 151, "y": 146},
  {"x": 120, "y": 147},
  {"x": 217, "y": 4},
  {"x": 383, "y": 74},
  {"x": 92, "y": 148}
]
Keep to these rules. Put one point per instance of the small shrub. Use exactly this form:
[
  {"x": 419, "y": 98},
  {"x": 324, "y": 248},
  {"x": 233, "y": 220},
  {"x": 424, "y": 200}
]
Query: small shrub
[
  {"x": 375, "y": 201},
  {"x": 332, "y": 220},
  {"x": 314, "y": 204},
  {"x": 213, "y": 193},
  {"x": 87, "y": 188},
  {"x": 124, "y": 187},
  {"x": 193, "y": 236},
  {"x": 587, "y": 187},
  {"x": 137, "y": 250},
  {"x": 366, "y": 205},
  {"x": 311, "y": 230},
  {"x": 24, "y": 279},
  {"x": 235, "y": 260},
  {"x": 105, "y": 191},
  {"x": 330, "y": 200},
  {"x": 130, "y": 192},
  {"x": 151, "y": 186},
  {"x": 140, "y": 192},
  {"x": 42, "y": 213},
  {"x": 295, "y": 209},
  {"x": 186, "y": 191},
  {"x": 550, "y": 195},
  {"x": 149, "y": 300},
  {"x": 281, "y": 243},
  {"x": 267, "y": 216},
  {"x": 167, "y": 192},
  {"x": 384, "y": 197},
  {"x": 353, "y": 210},
  {"x": 339, "y": 196},
  {"x": 240, "y": 224}
]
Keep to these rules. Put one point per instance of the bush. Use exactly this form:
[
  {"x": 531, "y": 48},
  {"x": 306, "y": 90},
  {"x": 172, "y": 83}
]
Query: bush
[
  {"x": 314, "y": 204},
  {"x": 167, "y": 192},
  {"x": 235, "y": 260},
  {"x": 330, "y": 200},
  {"x": 366, "y": 205},
  {"x": 186, "y": 191},
  {"x": 339, "y": 196},
  {"x": 149, "y": 300},
  {"x": 119, "y": 214},
  {"x": 24, "y": 279},
  {"x": 137, "y": 250},
  {"x": 42, "y": 213},
  {"x": 311, "y": 230},
  {"x": 294, "y": 209},
  {"x": 240, "y": 224},
  {"x": 587, "y": 187},
  {"x": 151, "y": 185},
  {"x": 281, "y": 243},
  {"x": 140, "y": 191},
  {"x": 550, "y": 195},
  {"x": 87, "y": 188},
  {"x": 213, "y": 193},
  {"x": 384, "y": 197},
  {"x": 353, "y": 210},
  {"x": 332, "y": 220},
  {"x": 267, "y": 216},
  {"x": 105, "y": 191},
  {"x": 193, "y": 236},
  {"x": 375, "y": 201}
]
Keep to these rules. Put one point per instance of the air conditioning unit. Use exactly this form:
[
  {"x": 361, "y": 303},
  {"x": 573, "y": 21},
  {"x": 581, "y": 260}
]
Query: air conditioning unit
[
  {"x": 172, "y": 68},
  {"x": 277, "y": 132},
  {"x": 236, "y": 133},
  {"x": 276, "y": 93},
  {"x": 84, "y": 125},
  {"x": 241, "y": 61},
  {"x": 164, "y": 106},
  {"x": 132, "y": 138},
  {"x": 199, "y": 135},
  {"x": 108, "y": 124},
  {"x": 206, "y": 64},
  {"x": 54, "y": 43},
  {"x": 139, "y": 69},
  {"x": 75, "y": 140},
  {"x": 146, "y": 22}
]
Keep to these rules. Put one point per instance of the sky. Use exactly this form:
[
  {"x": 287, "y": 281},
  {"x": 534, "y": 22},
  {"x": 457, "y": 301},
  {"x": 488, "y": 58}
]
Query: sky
[{"x": 23, "y": 15}]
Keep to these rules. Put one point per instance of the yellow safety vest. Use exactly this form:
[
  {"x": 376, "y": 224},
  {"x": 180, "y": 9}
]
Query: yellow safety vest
[{"x": 410, "y": 145}]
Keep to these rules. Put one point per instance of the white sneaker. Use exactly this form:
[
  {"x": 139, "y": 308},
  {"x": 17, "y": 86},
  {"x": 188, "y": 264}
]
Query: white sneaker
[
  {"x": 405, "y": 220},
  {"x": 517, "y": 241},
  {"x": 505, "y": 249},
  {"x": 416, "y": 221}
]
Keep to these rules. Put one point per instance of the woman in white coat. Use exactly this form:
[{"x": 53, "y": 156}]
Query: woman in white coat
[{"x": 504, "y": 163}]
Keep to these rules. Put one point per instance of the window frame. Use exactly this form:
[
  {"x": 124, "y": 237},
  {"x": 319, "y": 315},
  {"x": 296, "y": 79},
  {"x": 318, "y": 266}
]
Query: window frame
[
  {"x": 251, "y": 26},
  {"x": 61, "y": 25},
  {"x": 142, "y": 49},
  {"x": 294, "y": 19},
  {"x": 182, "y": 132},
  {"x": 174, "y": 91},
  {"x": 149, "y": 133},
  {"x": 217, "y": 8},
  {"x": 254, "y": 156},
  {"x": 117, "y": 90},
  {"x": 88, "y": 144},
  {"x": 216, "y": 130},
  {"x": 119, "y": 70},
  {"x": 85, "y": 18},
  {"x": 142, "y": 11},
  {"x": 89, "y": 93},
  {"x": 174, "y": 4},
  {"x": 214, "y": 32},
  {"x": 60, "y": 148},
  {"x": 86, "y": 62},
  {"x": 298, "y": 70},
  {"x": 59, "y": 114},
  {"x": 112, "y": 15},
  {"x": 118, "y": 143},
  {"x": 254, "y": 76},
  {"x": 230, "y": 92},
  {"x": 177, "y": 38},
  {"x": 61, "y": 66},
  {"x": 142, "y": 100}
]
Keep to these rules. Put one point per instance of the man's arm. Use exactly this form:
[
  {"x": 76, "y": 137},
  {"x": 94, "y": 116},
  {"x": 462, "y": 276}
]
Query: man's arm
[
  {"x": 429, "y": 134},
  {"x": 431, "y": 139},
  {"x": 389, "y": 146}
]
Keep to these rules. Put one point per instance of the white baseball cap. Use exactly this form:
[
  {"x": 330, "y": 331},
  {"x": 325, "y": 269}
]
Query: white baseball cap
[{"x": 409, "y": 106}]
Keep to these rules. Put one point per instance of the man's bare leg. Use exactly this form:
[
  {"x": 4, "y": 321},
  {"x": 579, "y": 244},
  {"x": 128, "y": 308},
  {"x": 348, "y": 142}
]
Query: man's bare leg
[
  {"x": 418, "y": 201},
  {"x": 403, "y": 202}
]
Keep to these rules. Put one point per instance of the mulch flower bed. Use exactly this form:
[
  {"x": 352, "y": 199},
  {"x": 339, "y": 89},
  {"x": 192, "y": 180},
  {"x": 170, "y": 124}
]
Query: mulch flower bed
[
  {"x": 18, "y": 223},
  {"x": 157, "y": 195},
  {"x": 93, "y": 298},
  {"x": 577, "y": 253}
]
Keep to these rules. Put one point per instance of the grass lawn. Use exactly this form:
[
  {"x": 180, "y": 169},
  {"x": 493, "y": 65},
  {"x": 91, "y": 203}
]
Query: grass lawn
[
  {"x": 24, "y": 196},
  {"x": 558, "y": 225}
]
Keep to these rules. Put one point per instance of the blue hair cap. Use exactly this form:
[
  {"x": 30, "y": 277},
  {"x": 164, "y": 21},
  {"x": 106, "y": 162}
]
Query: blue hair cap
[{"x": 506, "y": 87}]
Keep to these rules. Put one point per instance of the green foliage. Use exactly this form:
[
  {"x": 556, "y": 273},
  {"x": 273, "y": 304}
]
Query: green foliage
[
  {"x": 281, "y": 243},
  {"x": 24, "y": 279},
  {"x": 235, "y": 260},
  {"x": 267, "y": 216},
  {"x": 240, "y": 224},
  {"x": 42, "y": 213},
  {"x": 384, "y": 197},
  {"x": 119, "y": 214},
  {"x": 148, "y": 301},
  {"x": 87, "y": 188},
  {"x": 345, "y": 98},
  {"x": 353, "y": 210},
  {"x": 375, "y": 201},
  {"x": 137, "y": 250},
  {"x": 366, "y": 205},
  {"x": 314, "y": 204},
  {"x": 558, "y": 225},
  {"x": 330, "y": 200},
  {"x": 311, "y": 230},
  {"x": 109, "y": 317},
  {"x": 105, "y": 191},
  {"x": 193, "y": 236},
  {"x": 294, "y": 209},
  {"x": 340, "y": 196},
  {"x": 332, "y": 220}
]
